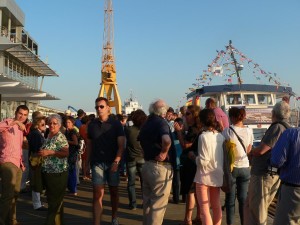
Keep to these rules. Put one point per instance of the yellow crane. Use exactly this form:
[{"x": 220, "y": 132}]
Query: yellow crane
[{"x": 108, "y": 87}]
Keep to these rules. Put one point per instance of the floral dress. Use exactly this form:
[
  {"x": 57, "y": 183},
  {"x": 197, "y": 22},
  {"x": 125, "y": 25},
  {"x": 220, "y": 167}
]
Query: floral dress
[{"x": 53, "y": 164}]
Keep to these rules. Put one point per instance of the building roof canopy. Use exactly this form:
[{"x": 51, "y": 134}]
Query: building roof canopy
[
  {"x": 12, "y": 90},
  {"x": 26, "y": 56}
]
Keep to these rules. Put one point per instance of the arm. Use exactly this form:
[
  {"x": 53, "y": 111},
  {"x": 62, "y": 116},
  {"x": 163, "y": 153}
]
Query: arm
[
  {"x": 74, "y": 140},
  {"x": 203, "y": 155},
  {"x": 165, "y": 146},
  {"x": 221, "y": 124},
  {"x": 121, "y": 143},
  {"x": 179, "y": 130},
  {"x": 6, "y": 125},
  {"x": 88, "y": 150},
  {"x": 260, "y": 150},
  {"x": 249, "y": 148},
  {"x": 269, "y": 140},
  {"x": 62, "y": 153}
]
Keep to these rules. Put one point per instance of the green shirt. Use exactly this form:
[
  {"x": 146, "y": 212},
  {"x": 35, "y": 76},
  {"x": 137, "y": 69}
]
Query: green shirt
[{"x": 53, "y": 164}]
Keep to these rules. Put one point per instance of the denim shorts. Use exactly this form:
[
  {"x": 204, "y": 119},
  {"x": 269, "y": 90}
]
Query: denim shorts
[{"x": 101, "y": 175}]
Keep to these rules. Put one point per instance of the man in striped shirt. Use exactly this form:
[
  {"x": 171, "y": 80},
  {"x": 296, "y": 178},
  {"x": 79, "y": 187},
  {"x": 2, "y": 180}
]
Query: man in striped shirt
[{"x": 11, "y": 165}]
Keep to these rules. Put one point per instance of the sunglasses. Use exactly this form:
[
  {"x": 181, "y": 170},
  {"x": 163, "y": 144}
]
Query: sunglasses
[
  {"x": 43, "y": 124},
  {"x": 53, "y": 124},
  {"x": 99, "y": 106},
  {"x": 188, "y": 113}
]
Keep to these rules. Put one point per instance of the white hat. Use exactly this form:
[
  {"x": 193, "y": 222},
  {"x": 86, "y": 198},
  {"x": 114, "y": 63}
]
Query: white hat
[{"x": 68, "y": 112}]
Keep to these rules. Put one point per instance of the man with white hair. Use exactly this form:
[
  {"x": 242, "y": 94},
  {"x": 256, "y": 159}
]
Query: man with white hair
[
  {"x": 160, "y": 158},
  {"x": 263, "y": 186}
]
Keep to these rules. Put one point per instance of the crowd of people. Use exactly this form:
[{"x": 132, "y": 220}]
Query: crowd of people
[{"x": 182, "y": 154}]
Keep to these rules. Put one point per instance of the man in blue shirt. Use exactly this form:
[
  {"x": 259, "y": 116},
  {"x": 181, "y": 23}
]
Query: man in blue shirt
[
  {"x": 286, "y": 157},
  {"x": 159, "y": 153},
  {"x": 80, "y": 115}
]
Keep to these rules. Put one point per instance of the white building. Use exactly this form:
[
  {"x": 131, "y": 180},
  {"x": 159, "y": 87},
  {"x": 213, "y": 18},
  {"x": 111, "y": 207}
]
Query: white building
[{"x": 22, "y": 71}]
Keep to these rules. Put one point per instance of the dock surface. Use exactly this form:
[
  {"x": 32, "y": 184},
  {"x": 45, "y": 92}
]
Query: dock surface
[{"x": 78, "y": 209}]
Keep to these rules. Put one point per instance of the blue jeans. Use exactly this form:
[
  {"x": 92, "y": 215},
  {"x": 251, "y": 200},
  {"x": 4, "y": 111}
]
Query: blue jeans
[
  {"x": 72, "y": 180},
  {"x": 132, "y": 167},
  {"x": 240, "y": 178}
]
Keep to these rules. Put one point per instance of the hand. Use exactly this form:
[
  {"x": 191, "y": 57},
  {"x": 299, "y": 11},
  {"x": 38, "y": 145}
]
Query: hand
[
  {"x": 21, "y": 126},
  {"x": 114, "y": 167},
  {"x": 22, "y": 167},
  {"x": 45, "y": 152},
  {"x": 161, "y": 157},
  {"x": 192, "y": 155},
  {"x": 178, "y": 127}
]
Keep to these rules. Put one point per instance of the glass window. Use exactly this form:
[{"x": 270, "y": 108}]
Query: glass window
[
  {"x": 234, "y": 99},
  {"x": 264, "y": 99},
  {"x": 249, "y": 99}
]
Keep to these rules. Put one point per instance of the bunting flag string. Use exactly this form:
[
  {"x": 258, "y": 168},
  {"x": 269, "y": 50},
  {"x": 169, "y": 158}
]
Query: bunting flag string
[{"x": 223, "y": 66}]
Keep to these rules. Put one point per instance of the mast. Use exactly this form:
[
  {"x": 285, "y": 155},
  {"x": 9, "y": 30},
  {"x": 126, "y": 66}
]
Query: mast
[
  {"x": 235, "y": 63},
  {"x": 108, "y": 70}
]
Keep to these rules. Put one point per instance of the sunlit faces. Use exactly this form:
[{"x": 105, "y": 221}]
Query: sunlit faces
[
  {"x": 42, "y": 125},
  {"x": 69, "y": 124},
  {"x": 54, "y": 125},
  {"x": 102, "y": 108},
  {"x": 169, "y": 116},
  {"x": 21, "y": 115},
  {"x": 189, "y": 118}
]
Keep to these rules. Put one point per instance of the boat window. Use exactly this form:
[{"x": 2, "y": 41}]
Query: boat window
[
  {"x": 264, "y": 99},
  {"x": 249, "y": 99},
  {"x": 234, "y": 99}
]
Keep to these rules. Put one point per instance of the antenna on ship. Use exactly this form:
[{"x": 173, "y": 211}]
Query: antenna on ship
[
  {"x": 131, "y": 95},
  {"x": 238, "y": 68}
]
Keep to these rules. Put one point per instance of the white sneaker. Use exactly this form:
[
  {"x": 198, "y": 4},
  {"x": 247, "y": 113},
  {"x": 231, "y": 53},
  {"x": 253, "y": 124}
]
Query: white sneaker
[{"x": 115, "y": 221}]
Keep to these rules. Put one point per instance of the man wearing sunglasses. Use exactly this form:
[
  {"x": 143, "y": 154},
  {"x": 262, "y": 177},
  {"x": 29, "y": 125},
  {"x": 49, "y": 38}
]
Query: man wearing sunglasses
[
  {"x": 105, "y": 144},
  {"x": 11, "y": 165}
]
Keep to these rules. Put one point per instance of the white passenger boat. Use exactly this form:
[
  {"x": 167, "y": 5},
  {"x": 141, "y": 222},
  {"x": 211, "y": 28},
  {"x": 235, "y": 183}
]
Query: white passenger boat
[{"x": 257, "y": 99}]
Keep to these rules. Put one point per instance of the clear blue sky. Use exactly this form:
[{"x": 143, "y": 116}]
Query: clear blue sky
[{"x": 161, "y": 46}]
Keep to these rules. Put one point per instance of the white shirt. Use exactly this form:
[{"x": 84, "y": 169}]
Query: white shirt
[
  {"x": 246, "y": 134},
  {"x": 210, "y": 159}
]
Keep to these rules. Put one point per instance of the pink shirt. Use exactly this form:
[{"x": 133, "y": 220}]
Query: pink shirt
[
  {"x": 11, "y": 140},
  {"x": 221, "y": 116}
]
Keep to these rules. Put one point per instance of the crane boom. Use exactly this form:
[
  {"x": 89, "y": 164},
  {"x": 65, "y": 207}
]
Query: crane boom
[{"x": 108, "y": 70}]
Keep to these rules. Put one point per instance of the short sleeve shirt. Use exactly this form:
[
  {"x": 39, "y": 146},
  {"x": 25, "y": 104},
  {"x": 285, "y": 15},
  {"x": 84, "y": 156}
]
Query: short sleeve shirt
[
  {"x": 221, "y": 116},
  {"x": 260, "y": 163},
  {"x": 104, "y": 139},
  {"x": 151, "y": 136},
  {"x": 133, "y": 146},
  {"x": 53, "y": 164}
]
